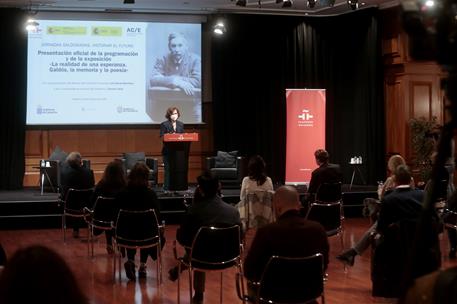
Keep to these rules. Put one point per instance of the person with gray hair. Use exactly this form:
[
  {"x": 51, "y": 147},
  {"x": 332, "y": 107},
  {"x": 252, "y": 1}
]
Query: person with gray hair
[
  {"x": 290, "y": 236},
  {"x": 75, "y": 175},
  {"x": 180, "y": 68}
]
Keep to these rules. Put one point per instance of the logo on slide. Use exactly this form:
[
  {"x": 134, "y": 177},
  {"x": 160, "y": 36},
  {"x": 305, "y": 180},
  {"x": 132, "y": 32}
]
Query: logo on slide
[
  {"x": 40, "y": 110},
  {"x": 305, "y": 119},
  {"x": 121, "y": 109}
]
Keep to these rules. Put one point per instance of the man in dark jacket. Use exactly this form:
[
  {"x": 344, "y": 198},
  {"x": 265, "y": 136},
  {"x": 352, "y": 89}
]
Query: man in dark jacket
[
  {"x": 208, "y": 209},
  {"x": 291, "y": 236},
  {"x": 325, "y": 173}
]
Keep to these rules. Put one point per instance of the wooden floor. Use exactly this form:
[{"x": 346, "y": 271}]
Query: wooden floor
[{"x": 95, "y": 275}]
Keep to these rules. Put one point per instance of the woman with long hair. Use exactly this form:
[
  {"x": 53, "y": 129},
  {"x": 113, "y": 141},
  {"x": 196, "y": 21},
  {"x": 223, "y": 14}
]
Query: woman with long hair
[
  {"x": 257, "y": 178},
  {"x": 137, "y": 196},
  {"x": 112, "y": 182}
]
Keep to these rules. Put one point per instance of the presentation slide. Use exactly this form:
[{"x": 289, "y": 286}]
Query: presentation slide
[{"x": 112, "y": 72}]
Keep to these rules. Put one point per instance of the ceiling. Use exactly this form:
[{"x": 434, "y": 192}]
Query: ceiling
[{"x": 299, "y": 7}]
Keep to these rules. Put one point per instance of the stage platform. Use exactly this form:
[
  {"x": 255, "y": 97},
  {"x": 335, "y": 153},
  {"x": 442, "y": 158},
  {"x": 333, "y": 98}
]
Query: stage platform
[{"x": 27, "y": 208}]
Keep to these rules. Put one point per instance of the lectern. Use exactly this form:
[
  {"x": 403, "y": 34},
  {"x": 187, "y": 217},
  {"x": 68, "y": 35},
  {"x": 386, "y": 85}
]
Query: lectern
[{"x": 178, "y": 145}]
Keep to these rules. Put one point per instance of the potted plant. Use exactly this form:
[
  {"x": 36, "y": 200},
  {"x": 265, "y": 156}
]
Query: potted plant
[{"x": 423, "y": 144}]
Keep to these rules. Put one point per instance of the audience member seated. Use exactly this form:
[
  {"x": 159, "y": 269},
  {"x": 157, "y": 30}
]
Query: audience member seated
[
  {"x": 37, "y": 274},
  {"x": 325, "y": 173},
  {"x": 74, "y": 175},
  {"x": 291, "y": 236},
  {"x": 451, "y": 219},
  {"x": 112, "y": 182},
  {"x": 137, "y": 196},
  {"x": 256, "y": 180},
  {"x": 373, "y": 205},
  {"x": 207, "y": 209},
  {"x": 444, "y": 198},
  {"x": 397, "y": 222}
]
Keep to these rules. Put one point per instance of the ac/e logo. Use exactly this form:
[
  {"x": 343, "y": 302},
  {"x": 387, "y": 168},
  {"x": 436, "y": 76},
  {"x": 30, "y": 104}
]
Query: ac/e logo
[{"x": 133, "y": 30}]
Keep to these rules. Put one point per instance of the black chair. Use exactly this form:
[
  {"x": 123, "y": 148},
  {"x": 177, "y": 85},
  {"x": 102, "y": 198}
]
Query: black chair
[
  {"x": 73, "y": 205},
  {"x": 137, "y": 230},
  {"x": 99, "y": 217},
  {"x": 213, "y": 249},
  {"x": 329, "y": 193},
  {"x": 289, "y": 280},
  {"x": 130, "y": 159},
  {"x": 441, "y": 196},
  {"x": 330, "y": 216},
  {"x": 230, "y": 177},
  {"x": 390, "y": 258}
]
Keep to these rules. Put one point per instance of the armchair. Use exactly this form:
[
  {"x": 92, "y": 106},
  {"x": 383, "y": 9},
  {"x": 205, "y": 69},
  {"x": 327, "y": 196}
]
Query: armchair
[
  {"x": 230, "y": 176},
  {"x": 130, "y": 159}
]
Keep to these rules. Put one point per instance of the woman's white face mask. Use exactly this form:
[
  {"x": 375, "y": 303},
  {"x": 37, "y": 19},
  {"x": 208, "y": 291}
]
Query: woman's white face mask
[{"x": 174, "y": 117}]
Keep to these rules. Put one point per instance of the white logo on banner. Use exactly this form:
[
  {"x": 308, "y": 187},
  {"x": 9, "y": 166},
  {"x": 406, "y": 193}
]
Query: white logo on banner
[{"x": 305, "y": 119}]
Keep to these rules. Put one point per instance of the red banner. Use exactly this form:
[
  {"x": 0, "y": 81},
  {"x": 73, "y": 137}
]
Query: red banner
[{"x": 305, "y": 132}]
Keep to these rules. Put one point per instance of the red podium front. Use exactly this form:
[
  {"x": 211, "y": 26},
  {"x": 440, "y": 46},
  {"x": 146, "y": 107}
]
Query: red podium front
[
  {"x": 178, "y": 146},
  {"x": 178, "y": 137}
]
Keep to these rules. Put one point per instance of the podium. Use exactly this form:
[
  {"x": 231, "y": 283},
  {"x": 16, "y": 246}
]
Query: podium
[{"x": 178, "y": 146}]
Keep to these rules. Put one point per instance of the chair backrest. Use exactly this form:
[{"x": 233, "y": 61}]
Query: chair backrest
[
  {"x": 104, "y": 210},
  {"x": 329, "y": 192},
  {"x": 292, "y": 279},
  {"x": 328, "y": 215},
  {"x": 216, "y": 245},
  {"x": 137, "y": 226},
  {"x": 259, "y": 208},
  {"x": 77, "y": 199}
]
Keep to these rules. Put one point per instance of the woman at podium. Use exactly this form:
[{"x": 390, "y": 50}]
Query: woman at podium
[{"x": 171, "y": 125}]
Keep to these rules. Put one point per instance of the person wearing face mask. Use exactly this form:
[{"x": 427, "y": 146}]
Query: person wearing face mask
[{"x": 169, "y": 126}]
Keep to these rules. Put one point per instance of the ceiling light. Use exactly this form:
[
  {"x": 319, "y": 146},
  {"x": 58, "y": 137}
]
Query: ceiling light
[
  {"x": 311, "y": 3},
  {"x": 241, "y": 2},
  {"x": 31, "y": 25},
  {"x": 353, "y": 4},
  {"x": 219, "y": 29},
  {"x": 287, "y": 3},
  {"x": 429, "y": 3}
]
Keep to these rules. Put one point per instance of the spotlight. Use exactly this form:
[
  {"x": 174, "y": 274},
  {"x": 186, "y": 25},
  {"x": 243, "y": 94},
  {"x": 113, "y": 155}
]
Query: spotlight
[
  {"x": 311, "y": 3},
  {"x": 219, "y": 29},
  {"x": 353, "y": 4},
  {"x": 31, "y": 25},
  {"x": 287, "y": 3},
  {"x": 241, "y": 2},
  {"x": 129, "y": 1}
]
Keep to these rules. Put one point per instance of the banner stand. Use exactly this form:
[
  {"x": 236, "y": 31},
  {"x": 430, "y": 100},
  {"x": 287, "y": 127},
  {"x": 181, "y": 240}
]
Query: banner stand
[{"x": 305, "y": 132}]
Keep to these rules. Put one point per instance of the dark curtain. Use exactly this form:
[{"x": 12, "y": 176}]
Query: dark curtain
[
  {"x": 261, "y": 56},
  {"x": 13, "y": 84}
]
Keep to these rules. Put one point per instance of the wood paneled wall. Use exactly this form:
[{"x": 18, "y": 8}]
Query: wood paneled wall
[
  {"x": 101, "y": 146},
  {"x": 411, "y": 88}
]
